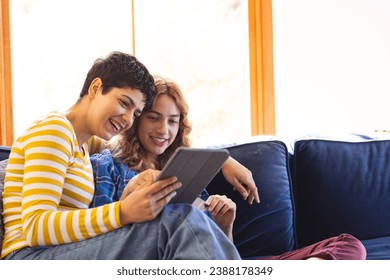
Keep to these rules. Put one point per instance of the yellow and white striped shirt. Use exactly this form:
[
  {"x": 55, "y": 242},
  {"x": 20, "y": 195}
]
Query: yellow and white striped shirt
[{"x": 48, "y": 188}]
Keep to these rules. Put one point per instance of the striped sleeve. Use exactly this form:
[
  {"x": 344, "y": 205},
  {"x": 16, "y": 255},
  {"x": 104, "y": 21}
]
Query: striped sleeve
[
  {"x": 48, "y": 149},
  {"x": 96, "y": 145}
]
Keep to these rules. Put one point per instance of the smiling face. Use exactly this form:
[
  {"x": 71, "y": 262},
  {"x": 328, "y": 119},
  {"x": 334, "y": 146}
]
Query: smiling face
[
  {"x": 115, "y": 111},
  {"x": 159, "y": 126}
]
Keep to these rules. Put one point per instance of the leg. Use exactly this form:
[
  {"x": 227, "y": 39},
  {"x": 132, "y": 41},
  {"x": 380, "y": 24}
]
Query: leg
[
  {"x": 179, "y": 232},
  {"x": 342, "y": 247}
]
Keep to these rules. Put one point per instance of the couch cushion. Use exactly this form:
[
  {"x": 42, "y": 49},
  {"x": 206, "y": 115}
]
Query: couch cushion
[
  {"x": 341, "y": 187},
  {"x": 3, "y": 165},
  {"x": 267, "y": 228},
  {"x": 377, "y": 248},
  {"x": 4, "y": 152}
]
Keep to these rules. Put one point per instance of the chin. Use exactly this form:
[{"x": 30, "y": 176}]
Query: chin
[
  {"x": 159, "y": 151},
  {"x": 106, "y": 137}
]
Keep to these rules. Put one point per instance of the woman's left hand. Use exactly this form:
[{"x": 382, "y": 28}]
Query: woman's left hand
[{"x": 241, "y": 178}]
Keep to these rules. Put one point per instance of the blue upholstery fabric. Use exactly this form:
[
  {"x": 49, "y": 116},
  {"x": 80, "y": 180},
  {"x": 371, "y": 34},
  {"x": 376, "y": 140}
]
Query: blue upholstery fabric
[
  {"x": 377, "y": 248},
  {"x": 267, "y": 228},
  {"x": 342, "y": 187},
  {"x": 3, "y": 165},
  {"x": 4, "y": 152}
]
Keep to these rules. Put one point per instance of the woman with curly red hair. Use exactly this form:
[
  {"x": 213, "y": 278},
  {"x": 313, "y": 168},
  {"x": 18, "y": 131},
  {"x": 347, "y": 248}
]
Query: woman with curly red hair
[
  {"x": 150, "y": 142},
  {"x": 133, "y": 151}
]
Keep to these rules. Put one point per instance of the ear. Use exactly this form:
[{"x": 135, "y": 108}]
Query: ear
[{"x": 94, "y": 87}]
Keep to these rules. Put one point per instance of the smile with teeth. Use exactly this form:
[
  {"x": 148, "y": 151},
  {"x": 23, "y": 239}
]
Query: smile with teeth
[
  {"x": 117, "y": 126},
  {"x": 158, "y": 139}
]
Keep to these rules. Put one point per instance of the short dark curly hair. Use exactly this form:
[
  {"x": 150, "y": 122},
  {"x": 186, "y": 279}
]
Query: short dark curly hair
[{"x": 121, "y": 70}]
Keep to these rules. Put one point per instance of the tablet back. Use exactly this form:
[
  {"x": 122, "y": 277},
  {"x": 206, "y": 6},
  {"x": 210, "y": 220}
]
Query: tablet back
[{"x": 194, "y": 168}]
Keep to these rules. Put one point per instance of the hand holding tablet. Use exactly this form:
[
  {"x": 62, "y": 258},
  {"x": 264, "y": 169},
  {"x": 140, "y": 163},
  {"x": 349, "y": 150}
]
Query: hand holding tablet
[{"x": 194, "y": 168}]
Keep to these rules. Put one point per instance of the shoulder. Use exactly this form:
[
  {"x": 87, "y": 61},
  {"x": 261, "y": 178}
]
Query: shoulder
[
  {"x": 96, "y": 145},
  {"x": 103, "y": 156},
  {"x": 102, "y": 162},
  {"x": 51, "y": 138},
  {"x": 54, "y": 123}
]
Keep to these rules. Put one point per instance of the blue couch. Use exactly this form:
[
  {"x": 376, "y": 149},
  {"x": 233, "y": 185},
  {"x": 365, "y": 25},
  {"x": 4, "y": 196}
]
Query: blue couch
[{"x": 311, "y": 189}]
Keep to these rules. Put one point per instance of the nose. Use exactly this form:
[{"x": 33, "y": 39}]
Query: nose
[
  {"x": 128, "y": 119},
  {"x": 162, "y": 127}
]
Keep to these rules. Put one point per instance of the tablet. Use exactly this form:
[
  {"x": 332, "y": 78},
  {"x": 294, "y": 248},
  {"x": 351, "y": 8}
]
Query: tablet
[{"x": 194, "y": 168}]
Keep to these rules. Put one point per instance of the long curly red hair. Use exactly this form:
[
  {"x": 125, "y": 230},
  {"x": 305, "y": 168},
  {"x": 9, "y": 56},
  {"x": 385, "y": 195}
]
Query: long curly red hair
[{"x": 133, "y": 154}]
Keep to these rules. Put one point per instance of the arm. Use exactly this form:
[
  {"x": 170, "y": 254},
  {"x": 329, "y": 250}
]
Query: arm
[
  {"x": 46, "y": 224},
  {"x": 109, "y": 183},
  {"x": 241, "y": 179},
  {"x": 53, "y": 204},
  {"x": 142, "y": 205},
  {"x": 96, "y": 145},
  {"x": 110, "y": 178}
]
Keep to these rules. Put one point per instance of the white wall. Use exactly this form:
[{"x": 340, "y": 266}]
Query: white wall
[{"x": 332, "y": 66}]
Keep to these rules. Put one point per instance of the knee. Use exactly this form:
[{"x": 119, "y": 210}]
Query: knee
[
  {"x": 180, "y": 209},
  {"x": 186, "y": 216},
  {"x": 180, "y": 212},
  {"x": 358, "y": 251}
]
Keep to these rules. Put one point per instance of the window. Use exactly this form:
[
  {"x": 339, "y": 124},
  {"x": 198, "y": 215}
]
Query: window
[
  {"x": 54, "y": 43},
  {"x": 202, "y": 45},
  {"x": 331, "y": 66}
]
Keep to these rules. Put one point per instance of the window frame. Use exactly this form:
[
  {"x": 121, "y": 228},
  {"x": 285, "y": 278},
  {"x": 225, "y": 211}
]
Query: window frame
[
  {"x": 261, "y": 67},
  {"x": 6, "y": 106}
]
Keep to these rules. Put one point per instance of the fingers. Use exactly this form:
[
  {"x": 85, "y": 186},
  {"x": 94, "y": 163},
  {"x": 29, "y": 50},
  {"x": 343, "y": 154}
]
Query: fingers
[
  {"x": 219, "y": 205},
  {"x": 166, "y": 194},
  {"x": 162, "y": 191},
  {"x": 169, "y": 184},
  {"x": 143, "y": 179},
  {"x": 248, "y": 190},
  {"x": 253, "y": 193},
  {"x": 240, "y": 188}
]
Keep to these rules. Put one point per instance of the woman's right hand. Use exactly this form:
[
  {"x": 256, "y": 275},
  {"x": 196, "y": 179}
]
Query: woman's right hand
[{"x": 147, "y": 198}]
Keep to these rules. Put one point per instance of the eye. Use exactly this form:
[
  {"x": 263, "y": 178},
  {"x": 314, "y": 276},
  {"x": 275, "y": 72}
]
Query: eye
[
  {"x": 173, "y": 121},
  {"x": 123, "y": 103},
  {"x": 152, "y": 117}
]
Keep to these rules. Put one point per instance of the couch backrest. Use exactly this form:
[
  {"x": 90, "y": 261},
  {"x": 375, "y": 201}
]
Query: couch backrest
[
  {"x": 267, "y": 228},
  {"x": 341, "y": 186},
  {"x": 3, "y": 165},
  {"x": 4, "y": 152}
]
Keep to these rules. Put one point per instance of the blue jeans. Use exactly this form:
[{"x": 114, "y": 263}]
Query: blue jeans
[{"x": 179, "y": 232}]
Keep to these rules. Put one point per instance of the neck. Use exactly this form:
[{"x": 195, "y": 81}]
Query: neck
[
  {"x": 76, "y": 116},
  {"x": 152, "y": 159}
]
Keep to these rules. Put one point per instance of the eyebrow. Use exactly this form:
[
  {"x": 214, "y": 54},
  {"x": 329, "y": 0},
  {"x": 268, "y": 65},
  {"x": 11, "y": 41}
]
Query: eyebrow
[{"x": 158, "y": 113}]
